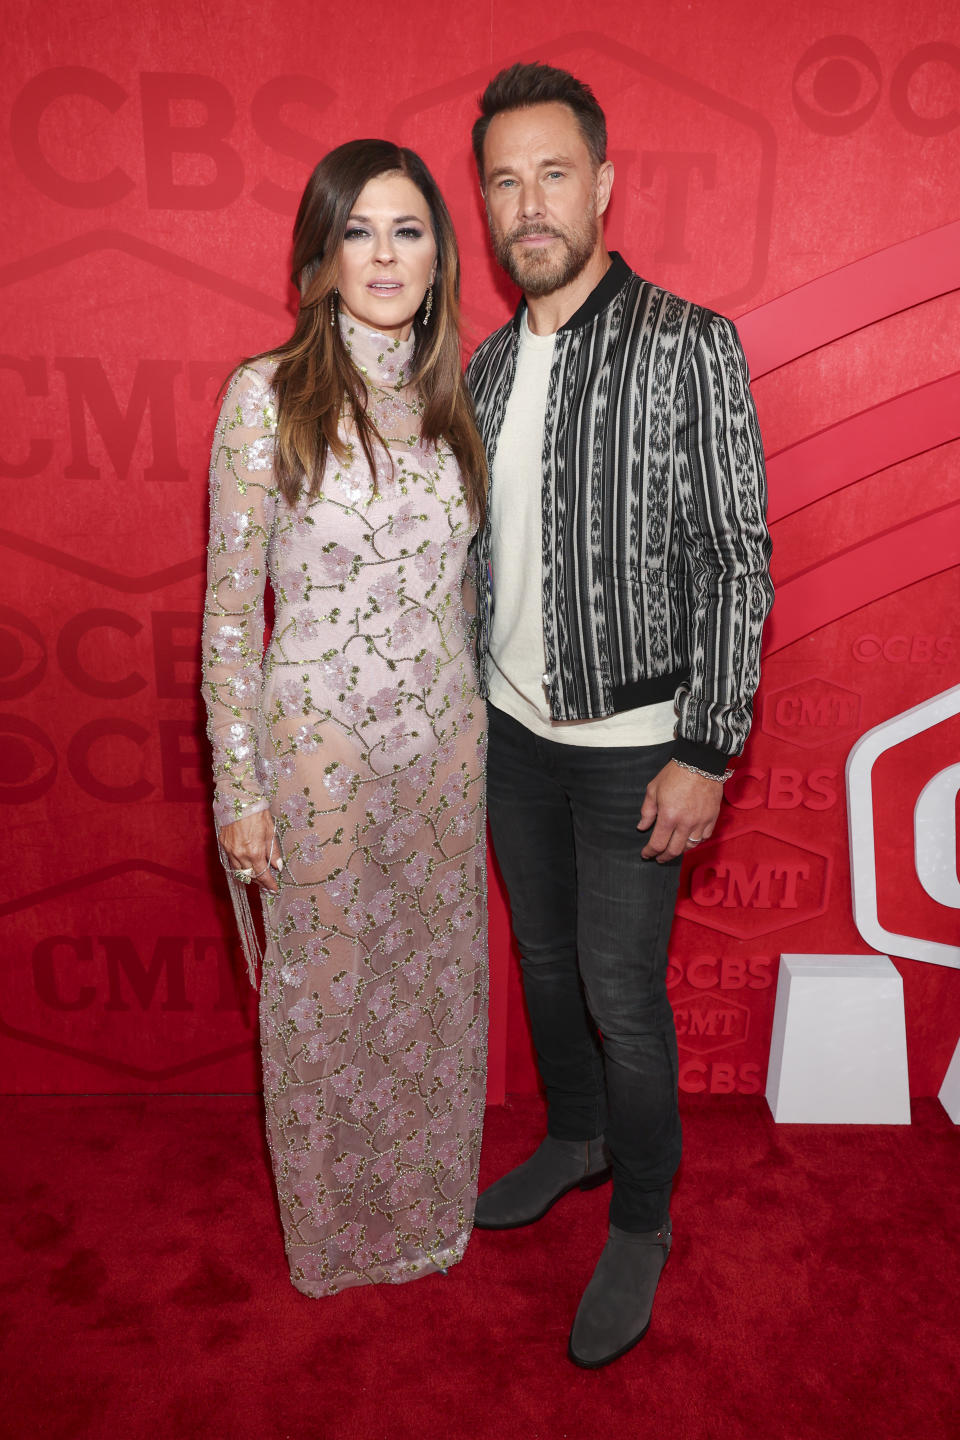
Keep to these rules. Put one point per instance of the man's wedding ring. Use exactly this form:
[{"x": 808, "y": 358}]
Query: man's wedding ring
[{"x": 244, "y": 876}]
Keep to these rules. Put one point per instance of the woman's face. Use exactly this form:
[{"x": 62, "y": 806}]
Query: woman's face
[{"x": 388, "y": 257}]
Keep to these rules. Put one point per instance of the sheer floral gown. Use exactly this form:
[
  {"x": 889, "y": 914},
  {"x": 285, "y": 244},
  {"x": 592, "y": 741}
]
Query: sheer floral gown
[{"x": 361, "y": 730}]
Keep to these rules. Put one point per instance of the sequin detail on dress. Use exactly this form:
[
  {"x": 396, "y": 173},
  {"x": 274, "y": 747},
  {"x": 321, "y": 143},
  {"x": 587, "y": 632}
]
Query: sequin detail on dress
[{"x": 362, "y": 732}]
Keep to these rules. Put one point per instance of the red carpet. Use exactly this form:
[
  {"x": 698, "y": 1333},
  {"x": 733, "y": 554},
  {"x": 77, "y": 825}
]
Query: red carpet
[{"x": 812, "y": 1292}]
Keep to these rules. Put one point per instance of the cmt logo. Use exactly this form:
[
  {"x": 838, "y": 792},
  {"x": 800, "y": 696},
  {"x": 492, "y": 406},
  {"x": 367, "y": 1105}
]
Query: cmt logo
[
  {"x": 168, "y": 1000},
  {"x": 78, "y": 972},
  {"x": 693, "y": 162},
  {"x": 706, "y": 1021},
  {"x": 752, "y": 883},
  {"x": 885, "y": 762},
  {"x": 119, "y": 425},
  {"x": 135, "y": 426},
  {"x": 811, "y": 714}
]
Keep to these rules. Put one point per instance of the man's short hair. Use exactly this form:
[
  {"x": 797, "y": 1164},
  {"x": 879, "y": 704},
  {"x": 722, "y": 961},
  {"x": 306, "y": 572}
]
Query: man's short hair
[{"x": 520, "y": 86}]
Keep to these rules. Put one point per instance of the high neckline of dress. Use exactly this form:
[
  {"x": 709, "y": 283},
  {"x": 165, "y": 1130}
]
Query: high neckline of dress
[{"x": 381, "y": 359}]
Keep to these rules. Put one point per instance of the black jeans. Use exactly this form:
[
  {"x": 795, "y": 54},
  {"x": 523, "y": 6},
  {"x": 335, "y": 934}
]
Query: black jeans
[{"x": 592, "y": 921}]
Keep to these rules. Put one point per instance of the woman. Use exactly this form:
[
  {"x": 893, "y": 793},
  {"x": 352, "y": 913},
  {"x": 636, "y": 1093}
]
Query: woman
[{"x": 349, "y": 758}]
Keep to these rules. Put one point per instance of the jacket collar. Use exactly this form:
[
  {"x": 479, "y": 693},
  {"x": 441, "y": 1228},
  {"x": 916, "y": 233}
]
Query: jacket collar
[{"x": 598, "y": 299}]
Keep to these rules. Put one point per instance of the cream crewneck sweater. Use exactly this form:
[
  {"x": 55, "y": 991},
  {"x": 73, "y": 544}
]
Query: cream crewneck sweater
[{"x": 516, "y": 662}]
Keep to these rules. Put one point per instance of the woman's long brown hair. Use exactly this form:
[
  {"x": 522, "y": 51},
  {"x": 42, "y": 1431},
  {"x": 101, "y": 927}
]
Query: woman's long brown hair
[{"x": 316, "y": 384}]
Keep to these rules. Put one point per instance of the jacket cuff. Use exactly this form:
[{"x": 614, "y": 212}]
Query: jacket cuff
[{"x": 704, "y": 757}]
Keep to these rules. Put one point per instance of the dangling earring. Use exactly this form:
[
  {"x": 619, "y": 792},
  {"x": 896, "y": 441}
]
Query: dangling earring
[
  {"x": 333, "y": 308},
  {"x": 429, "y": 305}
]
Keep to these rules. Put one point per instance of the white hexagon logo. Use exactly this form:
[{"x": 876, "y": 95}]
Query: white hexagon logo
[{"x": 935, "y": 831}]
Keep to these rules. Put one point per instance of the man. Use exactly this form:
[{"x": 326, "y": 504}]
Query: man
[{"x": 626, "y": 565}]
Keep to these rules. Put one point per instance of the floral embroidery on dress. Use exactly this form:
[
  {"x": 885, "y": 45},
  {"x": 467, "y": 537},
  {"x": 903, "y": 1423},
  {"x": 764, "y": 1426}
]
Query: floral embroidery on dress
[{"x": 361, "y": 730}]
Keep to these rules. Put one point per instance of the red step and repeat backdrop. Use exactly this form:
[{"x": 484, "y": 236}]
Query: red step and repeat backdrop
[{"x": 796, "y": 168}]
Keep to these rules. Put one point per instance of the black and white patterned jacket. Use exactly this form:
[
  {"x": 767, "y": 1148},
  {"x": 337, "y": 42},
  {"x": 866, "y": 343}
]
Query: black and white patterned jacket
[{"x": 655, "y": 546}]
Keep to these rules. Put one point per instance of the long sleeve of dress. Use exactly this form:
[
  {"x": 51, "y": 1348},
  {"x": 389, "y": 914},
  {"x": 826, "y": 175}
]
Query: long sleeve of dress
[{"x": 242, "y": 507}]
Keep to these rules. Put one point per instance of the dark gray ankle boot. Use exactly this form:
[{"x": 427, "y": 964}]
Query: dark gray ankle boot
[
  {"x": 526, "y": 1193},
  {"x": 615, "y": 1310}
]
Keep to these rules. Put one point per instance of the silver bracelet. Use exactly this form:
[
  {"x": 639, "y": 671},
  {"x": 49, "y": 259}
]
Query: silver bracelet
[{"x": 707, "y": 774}]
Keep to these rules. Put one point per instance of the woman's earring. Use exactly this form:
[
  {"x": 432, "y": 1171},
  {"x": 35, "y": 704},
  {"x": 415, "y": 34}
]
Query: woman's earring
[
  {"x": 429, "y": 306},
  {"x": 333, "y": 308}
]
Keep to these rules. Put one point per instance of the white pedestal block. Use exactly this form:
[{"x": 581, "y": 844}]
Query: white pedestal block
[
  {"x": 838, "y": 1055},
  {"x": 950, "y": 1089}
]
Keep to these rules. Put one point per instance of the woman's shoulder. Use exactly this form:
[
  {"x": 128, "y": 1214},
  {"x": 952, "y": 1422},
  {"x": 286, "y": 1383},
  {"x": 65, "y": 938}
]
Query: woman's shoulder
[
  {"x": 248, "y": 399},
  {"x": 255, "y": 374}
]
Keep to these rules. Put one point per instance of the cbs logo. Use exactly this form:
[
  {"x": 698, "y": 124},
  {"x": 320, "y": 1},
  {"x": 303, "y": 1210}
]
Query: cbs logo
[
  {"x": 29, "y": 753},
  {"x": 838, "y": 83},
  {"x": 189, "y": 158}
]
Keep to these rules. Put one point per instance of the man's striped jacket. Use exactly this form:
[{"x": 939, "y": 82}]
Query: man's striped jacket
[{"x": 655, "y": 548}]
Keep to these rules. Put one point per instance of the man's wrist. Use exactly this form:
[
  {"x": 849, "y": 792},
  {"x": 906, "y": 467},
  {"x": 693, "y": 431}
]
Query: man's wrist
[
  {"x": 706, "y": 774},
  {"x": 701, "y": 758}
]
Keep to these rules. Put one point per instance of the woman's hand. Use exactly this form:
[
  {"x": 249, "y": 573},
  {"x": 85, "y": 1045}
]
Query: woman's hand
[{"x": 250, "y": 843}]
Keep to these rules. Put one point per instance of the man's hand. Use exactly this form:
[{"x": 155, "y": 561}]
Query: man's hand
[
  {"x": 685, "y": 807},
  {"x": 250, "y": 844}
]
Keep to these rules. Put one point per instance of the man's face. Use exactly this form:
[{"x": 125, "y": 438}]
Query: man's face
[{"x": 544, "y": 196}]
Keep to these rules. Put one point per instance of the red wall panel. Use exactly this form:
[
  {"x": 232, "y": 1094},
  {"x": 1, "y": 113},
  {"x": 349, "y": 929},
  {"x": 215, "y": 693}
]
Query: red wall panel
[{"x": 796, "y": 171}]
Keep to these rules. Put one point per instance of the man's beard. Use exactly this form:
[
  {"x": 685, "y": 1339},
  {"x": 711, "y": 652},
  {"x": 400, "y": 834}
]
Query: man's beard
[{"x": 538, "y": 273}]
